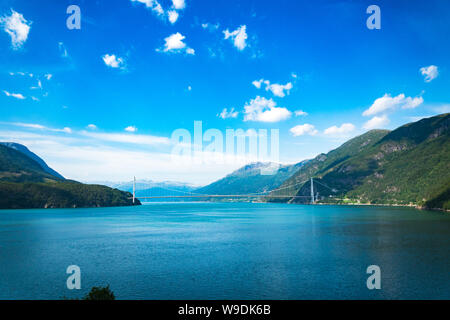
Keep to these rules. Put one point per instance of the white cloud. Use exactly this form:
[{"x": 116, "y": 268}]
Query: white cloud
[
  {"x": 211, "y": 27},
  {"x": 376, "y": 122},
  {"x": 29, "y": 125},
  {"x": 294, "y": 75},
  {"x": 139, "y": 139},
  {"x": 174, "y": 43},
  {"x": 303, "y": 129},
  {"x": 443, "y": 108},
  {"x": 239, "y": 37},
  {"x": 17, "y": 27},
  {"x": 48, "y": 76},
  {"x": 264, "y": 110},
  {"x": 277, "y": 90},
  {"x": 63, "y": 50},
  {"x": 39, "y": 127},
  {"x": 113, "y": 61},
  {"x": 342, "y": 130},
  {"x": 387, "y": 103},
  {"x": 131, "y": 129},
  {"x": 299, "y": 113},
  {"x": 257, "y": 83},
  {"x": 179, "y": 4},
  {"x": 14, "y": 95},
  {"x": 430, "y": 73},
  {"x": 153, "y": 5},
  {"x": 189, "y": 88},
  {"x": 173, "y": 16},
  {"x": 412, "y": 103},
  {"x": 225, "y": 114},
  {"x": 20, "y": 73}
]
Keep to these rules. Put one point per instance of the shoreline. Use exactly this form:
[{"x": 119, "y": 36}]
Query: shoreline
[
  {"x": 386, "y": 205},
  {"x": 320, "y": 203}
]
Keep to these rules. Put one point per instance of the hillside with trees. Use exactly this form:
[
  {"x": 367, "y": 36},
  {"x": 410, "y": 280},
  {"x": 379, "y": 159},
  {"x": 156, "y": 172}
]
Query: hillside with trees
[
  {"x": 27, "y": 182},
  {"x": 407, "y": 166}
]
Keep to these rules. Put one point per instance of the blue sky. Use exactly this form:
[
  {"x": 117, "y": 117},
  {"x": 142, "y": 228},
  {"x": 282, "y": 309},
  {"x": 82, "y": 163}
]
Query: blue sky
[{"x": 101, "y": 103}]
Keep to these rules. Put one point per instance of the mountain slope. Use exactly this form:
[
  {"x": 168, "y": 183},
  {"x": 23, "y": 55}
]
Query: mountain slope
[
  {"x": 26, "y": 183},
  {"x": 408, "y": 166},
  {"x": 324, "y": 162},
  {"x": 17, "y": 167},
  {"x": 249, "y": 179},
  {"x": 21, "y": 148}
]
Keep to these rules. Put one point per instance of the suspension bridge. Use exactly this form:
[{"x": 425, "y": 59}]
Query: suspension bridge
[{"x": 286, "y": 192}]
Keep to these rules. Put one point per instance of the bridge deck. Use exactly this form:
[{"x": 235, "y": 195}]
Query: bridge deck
[{"x": 220, "y": 196}]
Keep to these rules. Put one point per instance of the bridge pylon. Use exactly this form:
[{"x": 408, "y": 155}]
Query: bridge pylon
[{"x": 134, "y": 189}]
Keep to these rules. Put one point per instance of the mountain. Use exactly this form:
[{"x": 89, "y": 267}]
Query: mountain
[
  {"x": 29, "y": 154},
  {"x": 27, "y": 182},
  {"x": 407, "y": 166},
  {"x": 147, "y": 188},
  {"x": 249, "y": 179},
  {"x": 323, "y": 162},
  {"x": 15, "y": 166}
]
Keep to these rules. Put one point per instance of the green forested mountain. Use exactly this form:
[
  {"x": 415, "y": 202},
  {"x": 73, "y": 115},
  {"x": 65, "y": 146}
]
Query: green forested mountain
[
  {"x": 408, "y": 166},
  {"x": 249, "y": 179},
  {"x": 28, "y": 183},
  {"x": 17, "y": 167},
  {"x": 21, "y": 148}
]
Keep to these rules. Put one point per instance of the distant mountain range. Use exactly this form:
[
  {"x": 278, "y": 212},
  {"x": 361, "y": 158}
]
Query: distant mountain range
[
  {"x": 248, "y": 179},
  {"x": 26, "y": 181},
  {"x": 146, "y": 188},
  {"x": 406, "y": 166},
  {"x": 252, "y": 179}
]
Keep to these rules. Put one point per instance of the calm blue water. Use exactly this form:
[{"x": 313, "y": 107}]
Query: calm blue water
[{"x": 226, "y": 251}]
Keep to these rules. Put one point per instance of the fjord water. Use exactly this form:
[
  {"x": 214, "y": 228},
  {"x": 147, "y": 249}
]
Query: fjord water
[{"x": 226, "y": 251}]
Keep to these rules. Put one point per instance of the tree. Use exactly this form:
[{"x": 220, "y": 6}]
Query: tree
[{"x": 100, "y": 293}]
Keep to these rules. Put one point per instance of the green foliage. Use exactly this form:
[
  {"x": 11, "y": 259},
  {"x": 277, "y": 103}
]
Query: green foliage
[
  {"x": 61, "y": 194},
  {"x": 324, "y": 163},
  {"x": 442, "y": 201},
  {"x": 25, "y": 184},
  {"x": 17, "y": 167},
  {"x": 100, "y": 293},
  {"x": 408, "y": 166}
]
